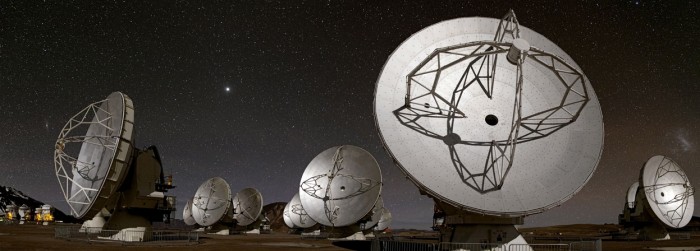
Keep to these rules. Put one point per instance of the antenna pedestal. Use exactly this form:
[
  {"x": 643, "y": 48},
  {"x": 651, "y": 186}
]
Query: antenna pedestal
[
  {"x": 220, "y": 229},
  {"x": 254, "y": 231},
  {"x": 653, "y": 232},
  {"x": 639, "y": 222},
  {"x": 460, "y": 226},
  {"x": 253, "y": 228},
  {"x": 352, "y": 232},
  {"x": 93, "y": 225},
  {"x": 132, "y": 227}
]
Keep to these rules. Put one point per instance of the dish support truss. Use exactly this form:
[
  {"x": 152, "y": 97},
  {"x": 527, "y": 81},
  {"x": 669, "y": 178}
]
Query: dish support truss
[
  {"x": 480, "y": 58},
  {"x": 679, "y": 202},
  {"x": 313, "y": 187}
]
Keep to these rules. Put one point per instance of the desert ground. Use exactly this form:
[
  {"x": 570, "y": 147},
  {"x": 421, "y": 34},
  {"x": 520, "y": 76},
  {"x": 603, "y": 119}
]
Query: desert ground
[{"x": 37, "y": 237}]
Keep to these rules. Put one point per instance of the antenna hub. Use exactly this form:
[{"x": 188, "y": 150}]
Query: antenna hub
[{"x": 517, "y": 50}]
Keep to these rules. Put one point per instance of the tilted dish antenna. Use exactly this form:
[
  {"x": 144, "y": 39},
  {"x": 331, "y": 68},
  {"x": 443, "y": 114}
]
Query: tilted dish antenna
[
  {"x": 23, "y": 211},
  {"x": 632, "y": 195},
  {"x": 247, "y": 206},
  {"x": 212, "y": 202},
  {"x": 376, "y": 212},
  {"x": 90, "y": 179},
  {"x": 385, "y": 220},
  {"x": 298, "y": 215},
  {"x": 287, "y": 217},
  {"x": 340, "y": 186},
  {"x": 668, "y": 191},
  {"x": 187, "y": 214},
  {"x": 488, "y": 117},
  {"x": 11, "y": 212},
  {"x": 93, "y": 177}
]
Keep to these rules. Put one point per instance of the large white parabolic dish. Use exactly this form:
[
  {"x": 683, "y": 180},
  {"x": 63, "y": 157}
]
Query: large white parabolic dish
[
  {"x": 461, "y": 144},
  {"x": 298, "y": 215},
  {"x": 88, "y": 178},
  {"x": 340, "y": 185},
  {"x": 668, "y": 191},
  {"x": 211, "y": 202},
  {"x": 247, "y": 204}
]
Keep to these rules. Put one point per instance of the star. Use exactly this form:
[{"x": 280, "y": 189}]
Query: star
[{"x": 228, "y": 89}]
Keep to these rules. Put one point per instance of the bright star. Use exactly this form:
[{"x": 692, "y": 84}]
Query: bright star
[{"x": 228, "y": 89}]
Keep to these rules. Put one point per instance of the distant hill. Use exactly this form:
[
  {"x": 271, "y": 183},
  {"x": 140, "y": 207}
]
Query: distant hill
[
  {"x": 275, "y": 213},
  {"x": 11, "y": 196}
]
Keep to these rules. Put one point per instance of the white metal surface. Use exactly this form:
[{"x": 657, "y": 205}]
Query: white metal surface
[
  {"x": 187, "y": 214},
  {"x": 90, "y": 175},
  {"x": 247, "y": 206},
  {"x": 632, "y": 195},
  {"x": 211, "y": 202},
  {"x": 298, "y": 215},
  {"x": 484, "y": 134},
  {"x": 668, "y": 191},
  {"x": 287, "y": 217},
  {"x": 340, "y": 185}
]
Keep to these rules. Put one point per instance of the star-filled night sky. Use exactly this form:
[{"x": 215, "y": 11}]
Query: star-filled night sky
[{"x": 251, "y": 91}]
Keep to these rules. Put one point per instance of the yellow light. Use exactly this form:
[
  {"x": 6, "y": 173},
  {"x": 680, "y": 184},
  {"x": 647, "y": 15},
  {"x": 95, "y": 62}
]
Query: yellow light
[
  {"x": 9, "y": 215},
  {"x": 48, "y": 217}
]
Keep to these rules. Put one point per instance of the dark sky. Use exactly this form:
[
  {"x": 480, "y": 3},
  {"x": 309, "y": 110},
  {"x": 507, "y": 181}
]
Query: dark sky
[{"x": 302, "y": 75}]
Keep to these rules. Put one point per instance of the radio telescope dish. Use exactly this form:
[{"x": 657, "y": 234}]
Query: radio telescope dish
[
  {"x": 340, "y": 185},
  {"x": 92, "y": 158},
  {"x": 105, "y": 131},
  {"x": 385, "y": 220},
  {"x": 376, "y": 211},
  {"x": 211, "y": 202},
  {"x": 489, "y": 116},
  {"x": 247, "y": 206},
  {"x": 23, "y": 211},
  {"x": 298, "y": 215},
  {"x": 632, "y": 195},
  {"x": 668, "y": 191},
  {"x": 287, "y": 217},
  {"x": 187, "y": 214}
]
